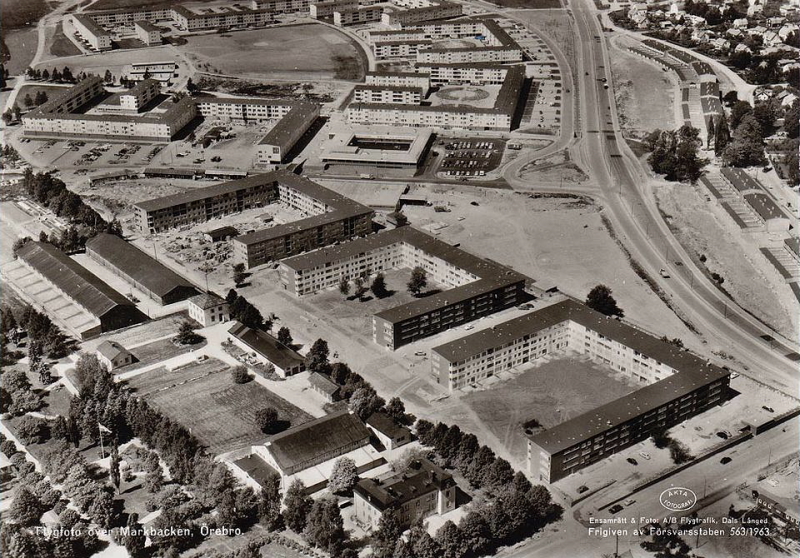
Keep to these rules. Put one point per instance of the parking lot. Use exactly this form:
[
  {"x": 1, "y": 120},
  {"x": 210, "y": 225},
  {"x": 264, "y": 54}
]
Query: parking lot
[{"x": 471, "y": 157}]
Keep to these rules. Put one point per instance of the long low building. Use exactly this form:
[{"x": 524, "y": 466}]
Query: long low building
[
  {"x": 379, "y": 147},
  {"x": 676, "y": 384},
  {"x": 139, "y": 269},
  {"x": 268, "y": 349},
  {"x": 276, "y": 147},
  {"x": 474, "y": 287},
  {"x": 79, "y": 285},
  {"x": 92, "y": 33},
  {"x": 395, "y": 94},
  {"x": 400, "y": 79},
  {"x": 441, "y": 10}
]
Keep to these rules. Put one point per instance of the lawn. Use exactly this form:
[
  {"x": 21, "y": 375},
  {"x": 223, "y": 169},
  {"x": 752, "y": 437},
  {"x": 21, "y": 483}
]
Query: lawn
[
  {"x": 19, "y": 13},
  {"x": 220, "y": 412},
  {"x": 311, "y": 51},
  {"x": 61, "y": 45},
  {"x": 550, "y": 393},
  {"x": 32, "y": 90}
]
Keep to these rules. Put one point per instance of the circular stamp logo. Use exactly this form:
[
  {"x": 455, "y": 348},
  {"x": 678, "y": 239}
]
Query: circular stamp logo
[{"x": 678, "y": 499}]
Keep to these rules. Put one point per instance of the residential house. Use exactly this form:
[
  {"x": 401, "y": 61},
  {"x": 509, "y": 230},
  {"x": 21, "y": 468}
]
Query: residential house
[
  {"x": 113, "y": 355},
  {"x": 208, "y": 309},
  {"x": 390, "y": 434}
]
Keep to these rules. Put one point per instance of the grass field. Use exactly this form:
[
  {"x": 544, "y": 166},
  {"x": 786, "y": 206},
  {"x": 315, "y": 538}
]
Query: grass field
[
  {"x": 219, "y": 412},
  {"x": 60, "y": 45},
  {"x": 19, "y": 47},
  {"x": 18, "y": 13},
  {"x": 32, "y": 90},
  {"x": 155, "y": 352},
  {"x": 550, "y": 393},
  {"x": 301, "y": 50}
]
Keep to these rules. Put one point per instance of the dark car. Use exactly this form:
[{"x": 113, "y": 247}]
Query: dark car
[
  {"x": 632, "y": 461},
  {"x": 582, "y": 489},
  {"x": 768, "y": 409},
  {"x": 725, "y": 460},
  {"x": 615, "y": 509},
  {"x": 723, "y": 435}
]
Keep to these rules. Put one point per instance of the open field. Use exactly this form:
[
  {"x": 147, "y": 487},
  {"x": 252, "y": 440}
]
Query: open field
[
  {"x": 19, "y": 46},
  {"x": 19, "y": 13},
  {"x": 754, "y": 284},
  {"x": 644, "y": 93},
  {"x": 60, "y": 45},
  {"x": 550, "y": 393},
  {"x": 220, "y": 412},
  {"x": 32, "y": 90},
  {"x": 529, "y": 4},
  {"x": 286, "y": 52}
]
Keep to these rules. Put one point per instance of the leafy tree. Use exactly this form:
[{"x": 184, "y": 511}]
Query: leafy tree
[
  {"x": 107, "y": 77},
  {"x": 378, "y": 286},
  {"x": 267, "y": 419},
  {"x": 499, "y": 474},
  {"x": 679, "y": 452},
  {"x": 239, "y": 275},
  {"x": 16, "y": 111},
  {"x": 421, "y": 543},
  {"x": 396, "y": 409},
  {"x": 476, "y": 533},
  {"x": 66, "y": 75},
  {"x": 26, "y": 509},
  {"x": 791, "y": 120},
  {"x": 186, "y": 334},
  {"x": 324, "y": 526},
  {"x": 240, "y": 374},
  {"x": 285, "y": 336},
  {"x": 360, "y": 288},
  {"x": 154, "y": 480},
  {"x": 317, "y": 358},
  {"x": 134, "y": 540},
  {"x": 114, "y": 465},
  {"x": 41, "y": 98},
  {"x": 45, "y": 75},
  {"x": 33, "y": 430},
  {"x": 766, "y": 114},
  {"x": 450, "y": 540},
  {"x": 28, "y": 101},
  {"x": 365, "y": 401},
  {"x": 477, "y": 469},
  {"x": 298, "y": 506},
  {"x": 600, "y": 299},
  {"x": 103, "y": 510},
  {"x": 344, "y": 476},
  {"x": 675, "y": 154},
  {"x": 344, "y": 286},
  {"x": 418, "y": 281},
  {"x": 747, "y": 147},
  {"x": 384, "y": 539},
  {"x": 8, "y": 118},
  {"x": 269, "y": 503},
  {"x": 739, "y": 110}
]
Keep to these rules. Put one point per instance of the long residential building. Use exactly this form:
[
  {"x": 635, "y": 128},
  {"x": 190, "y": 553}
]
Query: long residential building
[
  {"x": 321, "y": 10},
  {"x": 395, "y": 94},
  {"x": 92, "y": 33},
  {"x": 474, "y": 287},
  {"x": 68, "y": 278},
  {"x": 676, "y": 384},
  {"x": 464, "y": 74},
  {"x": 333, "y": 218},
  {"x": 139, "y": 269},
  {"x": 58, "y": 117},
  {"x": 277, "y": 145},
  {"x": 354, "y": 16},
  {"x": 400, "y": 79},
  {"x": 441, "y": 10}
]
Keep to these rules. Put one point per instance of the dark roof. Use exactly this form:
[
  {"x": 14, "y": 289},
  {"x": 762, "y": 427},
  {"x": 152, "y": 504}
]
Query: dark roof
[
  {"x": 139, "y": 266},
  {"x": 90, "y": 24},
  {"x": 257, "y": 469},
  {"x": 111, "y": 349},
  {"x": 301, "y": 115},
  {"x": 77, "y": 282},
  {"x": 383, "y": 423},
  {"x": 490, "y": 275},
  {"x": 793, "y": 244},
  {"x": 421, "y": 477},
  {"x": 76, "y": 90},
  {"x": 222, "y": 231},
  {"x": 692, "y": 371},
  {"x": 323, "y": 383},
  {"x": 207, "y": 300},
  {"x": 327, "y": 435},
  {"x": 199, "y": 194},
  {"x": 340, "y": 207},
  {"x": 764, "y": 206},
  {"x": 263, "y": 343}
]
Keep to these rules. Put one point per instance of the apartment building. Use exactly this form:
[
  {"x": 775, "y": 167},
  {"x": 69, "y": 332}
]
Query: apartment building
[
  {"x": 134, "y": 99},
  {"x": 411, "y": 16},
  {"x": 400, "y": 79},
  {"x": 395, "y": 94},
  {"x": 148, "y": 33},
  {"x": 97, "y": 37},
  {"x": 326, "y": 9},
  {"x": 281, "y": 6},
  {"x": 353, "y": 16},
  {"x": 400, "y": 49},
  {"x": 475, "y": 287},
  {"x": 423, "y": 489},
  {"x": 276, "y": 146},
  {"x": 242, "y": 110},
  {"x": 461, "y": 74},
  {"x": 192, "y": 21},
  {"x": 332, "y": 218}
]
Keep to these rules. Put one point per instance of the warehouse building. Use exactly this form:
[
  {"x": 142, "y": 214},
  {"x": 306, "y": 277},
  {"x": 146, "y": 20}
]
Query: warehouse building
[
  {"x": 111, "y": 309},
  {"x": 333, "y": 218},
  {"x": 475, "y": 287},
  {"x": 267, "y": 349},
  {"x": 676, "y": 384},
  {"x": 144, "y": 273}
]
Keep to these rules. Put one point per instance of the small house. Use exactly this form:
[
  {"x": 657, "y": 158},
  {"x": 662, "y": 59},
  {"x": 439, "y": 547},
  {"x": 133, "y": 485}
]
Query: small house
[{"x": 113, "y": 355}]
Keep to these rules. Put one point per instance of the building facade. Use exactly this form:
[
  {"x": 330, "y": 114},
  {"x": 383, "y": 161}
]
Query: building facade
[{"x": 208, "y": 309}]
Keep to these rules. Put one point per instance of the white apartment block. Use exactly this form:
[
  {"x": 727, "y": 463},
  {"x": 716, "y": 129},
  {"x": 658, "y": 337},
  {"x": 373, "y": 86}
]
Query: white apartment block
[
  {"x": 387, "y": 94},
  {"x": 242, "y": 110},
  {"x": 470, "y": 55},
  {"x": 281, "y": 6},
  {"x": 96, "y": 36},
  {"x": 398, "y": 18},
  {"x": 148, "y": 33},
  {"x": 399, "y": 49},
  {"x": 367, "y": 14},
  {"x": 400, "y": 79},
  {"x": 458, "y": 74},
  {"x": 447, "y": 117}
]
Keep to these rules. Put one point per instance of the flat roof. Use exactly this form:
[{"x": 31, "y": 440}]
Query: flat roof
[
  {"x": 324, "y": 436},
  {"x": 90, "y": 24},
  {"x": 300, "y": 116},
  {"x": 139, "y": 266},
  {"x": 145, "y": 25},
  {"x": 266, "y": 345},
  {"x": 199, "y": 194},
  {"x": 206, "y": 98}
]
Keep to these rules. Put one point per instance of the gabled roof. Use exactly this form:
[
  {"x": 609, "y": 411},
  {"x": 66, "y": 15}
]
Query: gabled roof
[
  {"x": 111, "y": 349},
  {"x": 79, "y": 284},
  {"x": 139, "y": 266},
  {"x": 207, "y": 300},
  {"x": 327, "y": 435},
  {"x": 383, "y": 423},
  {"x": 266, "y": 345},
  {"x": 323, "y": 383},
  {"x": 421, "y": 477}
]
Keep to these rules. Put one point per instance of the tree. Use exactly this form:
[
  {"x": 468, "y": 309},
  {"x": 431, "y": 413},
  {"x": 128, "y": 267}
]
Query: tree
[
  {"x": 239, "y": 275},
  {"x": 679, "y": 452},
  {"x": 600, "y": 299},
  {"x": 16, "y": 111},
  {"x": 41, "y": 98},
  {"x": 499, "y": 474},
  {"x": 739, "y": 110},
  {"x": 8, "y": 118},
  {"x": 418, "y": 281},
  {"x": 285, "y": 336},
  {"x": 450, "y": 540},
  {"x": 317, "y": 357},
  {"x": 361, "y": 289},
  {"x": 134, "y": 539},
  {"x": 45, "y": 75},
  {"x": 475, "y": 533},
  {"x": 324, "y": 526},
  {"x": 384, "y": 539},
  {"x": 675, "y": 153},
  {"x": 344, "y": 286},
  {"x": 365, "y": 401},
  {"x": 269, "y": 503},
  {"x": 267, "y": 419},
  {"x": 710, "y": 131},
  {"x": 240, "y": 374},
  {"x": 344, "y": 476},
  {"x": 114, "y": 465},
  {"x": 107, "y": 77},
  {"x": 154, "y": 480},
  {"x": 26, "y": 509},
  {"x": 66, "y": 75},
  {"x": 766, "y": 114},
  {"x": 396, "y": 410},
  {"x": 28, "y": 101},
  {"x": 298, "y": 506},
  {"x": 791, "y": 120},
  {"x": 186, "y": 334},
  {"x": 103, "y": 510},
  {"x": 421, "y": 543},
  {"x": 378, "y": 286},
  {"x": 747, "y": 147},
  {"x": 33, "y": 430}
]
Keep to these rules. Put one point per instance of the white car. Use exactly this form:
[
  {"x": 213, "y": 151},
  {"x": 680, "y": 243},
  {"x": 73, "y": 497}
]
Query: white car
[
  {"x": 644, "y": 454},
  {"x": 469, "y": 327}
]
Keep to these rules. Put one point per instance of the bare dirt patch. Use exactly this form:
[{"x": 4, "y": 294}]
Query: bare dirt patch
[{"x": 747, "y": 276}]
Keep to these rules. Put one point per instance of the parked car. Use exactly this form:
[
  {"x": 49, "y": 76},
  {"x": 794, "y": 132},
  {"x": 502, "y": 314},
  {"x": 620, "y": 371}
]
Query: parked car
[
  {"x": 644, "y": 454},
  {"x": 616, "y": 508},
  {"x": 583, "y": 488},
  {"x": 725, "y": 460},
  {"x": 632, "y": 461},
  {"x": 628, "y": 502},
  {"x": 724, "y": 435},
  {"x": 768, "y": 409}
]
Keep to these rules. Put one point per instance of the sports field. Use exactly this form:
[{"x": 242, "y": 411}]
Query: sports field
[
  {"x": 550, "y": 393},
  {"x": 312, "y": 51},
  {"x": 220, "y": 412}
]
